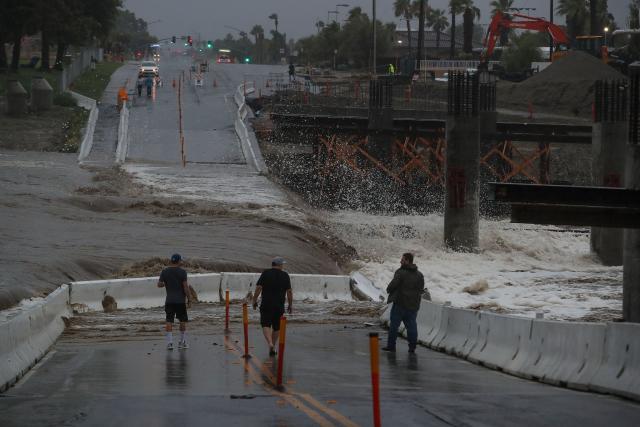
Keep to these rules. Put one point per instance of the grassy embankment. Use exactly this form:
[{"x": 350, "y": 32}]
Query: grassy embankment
[{"x": 59, "y": 129}]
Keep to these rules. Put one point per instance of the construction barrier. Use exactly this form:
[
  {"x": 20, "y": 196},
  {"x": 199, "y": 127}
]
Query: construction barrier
[
  {"x": 138, "y": 292},
  {"x": 461, "y": 331},
  {"x": 501, "y": 341},
  {"x": 240, "y": 285},
  {"x": 364, "y": 289},
  {"x": 320, "y": 287},
  {"x": 585, "y": 356},
  {"x": 619, "y": 371},
  {"x": 27, "y": 333},
  {"x": 561, "y": 352}
]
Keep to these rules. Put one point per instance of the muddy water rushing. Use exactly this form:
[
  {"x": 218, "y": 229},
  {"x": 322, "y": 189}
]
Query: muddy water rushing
[{"x": 63, "y": 222}]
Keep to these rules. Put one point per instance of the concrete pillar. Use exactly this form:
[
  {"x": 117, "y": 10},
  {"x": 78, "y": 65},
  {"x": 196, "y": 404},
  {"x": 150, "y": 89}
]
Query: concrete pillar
[
  {"x": 631, "y": 275},
  {"x": 462, "y": 199},
  {"x": 609, "y": 144},
  {"x": 381, "y": 119},
  {"x": 608, "y": 147},
  {"x": 41, "y": 94}
]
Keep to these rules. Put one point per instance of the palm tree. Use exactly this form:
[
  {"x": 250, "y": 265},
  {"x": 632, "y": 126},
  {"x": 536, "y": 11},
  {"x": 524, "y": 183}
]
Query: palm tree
[
  {"x": 258, "y": 32},
  {"x": 575, "y": 12},
  {"x": 274, "y": 16},
  {"x": 437, "y": 19},
  {"x": 470, "y": 13},
  {"x": 404, "y": 9},
  {"x": 502, "y": 6},
  {"x": 456, "y": 7}
]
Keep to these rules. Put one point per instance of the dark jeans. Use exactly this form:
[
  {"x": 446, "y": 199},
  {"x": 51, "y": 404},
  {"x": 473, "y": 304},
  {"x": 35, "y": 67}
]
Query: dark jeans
[{"x": 408, "y": 317}]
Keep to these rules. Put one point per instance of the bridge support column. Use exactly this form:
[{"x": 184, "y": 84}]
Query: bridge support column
[
  {"x": 380, "y": 119},
  {"x": 462, "y": 177},
  {"x": 631, "y": 275},
  {"x": 609, "y": 145}
]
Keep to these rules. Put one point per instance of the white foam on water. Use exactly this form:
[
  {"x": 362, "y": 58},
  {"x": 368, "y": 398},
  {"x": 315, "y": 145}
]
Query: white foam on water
[{"x": 528, "y": 268}]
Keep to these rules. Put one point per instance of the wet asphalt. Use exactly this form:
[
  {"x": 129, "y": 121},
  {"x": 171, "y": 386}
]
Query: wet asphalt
[{"x": 137, "y": 381}]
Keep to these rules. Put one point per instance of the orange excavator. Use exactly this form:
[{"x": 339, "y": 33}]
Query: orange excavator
[{"x": 503, "y": 21}]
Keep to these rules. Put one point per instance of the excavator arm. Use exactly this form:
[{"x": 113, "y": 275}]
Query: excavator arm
[{"x": 502, "y": 21}]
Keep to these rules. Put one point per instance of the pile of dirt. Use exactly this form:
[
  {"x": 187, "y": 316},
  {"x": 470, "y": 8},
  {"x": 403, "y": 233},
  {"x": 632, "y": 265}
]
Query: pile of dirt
[{"x": 564, "y": 87}]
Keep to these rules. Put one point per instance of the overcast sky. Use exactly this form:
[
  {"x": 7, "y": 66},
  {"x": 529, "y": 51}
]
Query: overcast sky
[{"x": 296, "y": 17}]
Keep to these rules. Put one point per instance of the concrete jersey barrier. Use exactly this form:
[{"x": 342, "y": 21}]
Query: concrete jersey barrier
[
  {"x": 27, "y": 334},
  {"x": 137, "y": 292},
  {"x": 584, "y": 356}
]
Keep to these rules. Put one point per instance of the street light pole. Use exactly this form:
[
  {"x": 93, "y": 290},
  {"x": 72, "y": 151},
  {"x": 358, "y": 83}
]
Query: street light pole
[{"x": 374, "y": 60}]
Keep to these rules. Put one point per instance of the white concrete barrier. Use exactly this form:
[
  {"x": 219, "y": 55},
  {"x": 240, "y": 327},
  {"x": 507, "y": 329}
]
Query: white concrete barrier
[
  {"x": 314, "y": 287},
  {"x": 87, "y": 139},
  {"x": 561, "y": 353},
  {"x": 138, "y": 292},
  {"x": 123, "y": 135},
  {"x": 500, "y": 340},
  {"x": 462, "y": 331},
  {"x": 27, "y": 333},
  {"x": 128, "y": 293},
  {"x": 206, "y": 286},
  {"x": 364, "y": 289},
  {"x": 239, "y": 284},
  {"x": 318, "y": 287},
  {"x": 619, "y": 371},
  {"x": 585, "y": 356},
  {"x": 429, "y": 322}
]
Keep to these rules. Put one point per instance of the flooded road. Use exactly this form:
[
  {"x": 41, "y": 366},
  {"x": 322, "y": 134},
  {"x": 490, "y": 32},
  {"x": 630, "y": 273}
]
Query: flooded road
[{"x": 66, "y": 222}]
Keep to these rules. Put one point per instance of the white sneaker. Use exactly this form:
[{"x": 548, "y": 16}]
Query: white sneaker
[
  {"x": 183, "y": 344},
  {"x": 170, "y": 346}
]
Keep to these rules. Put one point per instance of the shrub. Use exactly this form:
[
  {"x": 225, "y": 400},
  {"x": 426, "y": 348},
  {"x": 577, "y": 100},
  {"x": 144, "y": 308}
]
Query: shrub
[{"x": 65, "y": 99}]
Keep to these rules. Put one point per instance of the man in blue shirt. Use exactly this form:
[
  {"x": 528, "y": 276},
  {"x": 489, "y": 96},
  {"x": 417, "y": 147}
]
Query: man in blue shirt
[{"x": 174, "y": 280}]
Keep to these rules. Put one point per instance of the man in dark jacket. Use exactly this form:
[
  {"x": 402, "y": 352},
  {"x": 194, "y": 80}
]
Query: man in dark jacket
[{"x": 405, "y": 292}]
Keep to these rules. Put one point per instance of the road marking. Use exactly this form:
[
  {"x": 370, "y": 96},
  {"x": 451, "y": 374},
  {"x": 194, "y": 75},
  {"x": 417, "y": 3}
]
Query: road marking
[
  {"x": 33, "y": 370},
  {"x": 315, "y": 416},
  {"x": 337, "y": 416}
]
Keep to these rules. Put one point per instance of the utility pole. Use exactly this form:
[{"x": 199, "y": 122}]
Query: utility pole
[
  {"x": 550, "y": 38},
  {"x": 420, "y": 35},
  {"x": 373, "y": 64}
]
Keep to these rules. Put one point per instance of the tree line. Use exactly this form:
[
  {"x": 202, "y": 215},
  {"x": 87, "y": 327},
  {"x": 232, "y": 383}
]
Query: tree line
[{"x": 63, "y": 23}]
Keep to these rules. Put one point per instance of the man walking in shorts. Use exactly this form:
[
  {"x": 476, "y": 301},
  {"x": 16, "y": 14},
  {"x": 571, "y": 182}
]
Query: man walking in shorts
[
  {"x": 273, "y": 284},
  {"x": 174, "y": 279}
]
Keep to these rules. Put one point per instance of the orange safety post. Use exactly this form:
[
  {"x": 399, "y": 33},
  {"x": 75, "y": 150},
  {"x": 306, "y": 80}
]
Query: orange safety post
[
  {"x": 375, "y": 377},
  {"x": 245, "y": 324},
  {"x": 282, "y": 337},
  {"x": 226, "y": 310}
]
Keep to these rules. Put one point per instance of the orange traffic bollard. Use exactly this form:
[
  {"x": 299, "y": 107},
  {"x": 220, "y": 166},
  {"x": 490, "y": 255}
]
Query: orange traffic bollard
[
  {"x": 283, "y": 335},
  {"x": 375, "y": 377},
  {"x": 226, "y": 310},
  {"x": 245, "y": 324}
]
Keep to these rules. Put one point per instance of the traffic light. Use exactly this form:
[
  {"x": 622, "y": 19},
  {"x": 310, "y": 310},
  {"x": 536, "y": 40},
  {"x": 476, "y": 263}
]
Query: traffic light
[
  {"x": 173, "y": 39},
  {"x": 189, "y": 40},
  {"x": 247, "y": 59},
  {"x": 209, "y": 44}
]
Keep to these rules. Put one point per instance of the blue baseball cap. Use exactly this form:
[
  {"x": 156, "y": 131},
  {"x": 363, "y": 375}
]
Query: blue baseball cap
[{"x": 175, "y": 258}]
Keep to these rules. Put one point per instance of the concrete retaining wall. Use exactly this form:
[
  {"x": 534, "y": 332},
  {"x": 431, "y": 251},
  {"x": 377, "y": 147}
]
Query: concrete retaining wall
[
  {"x": 27, "y": 333},
  {"x": 585, "y": 356}
]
